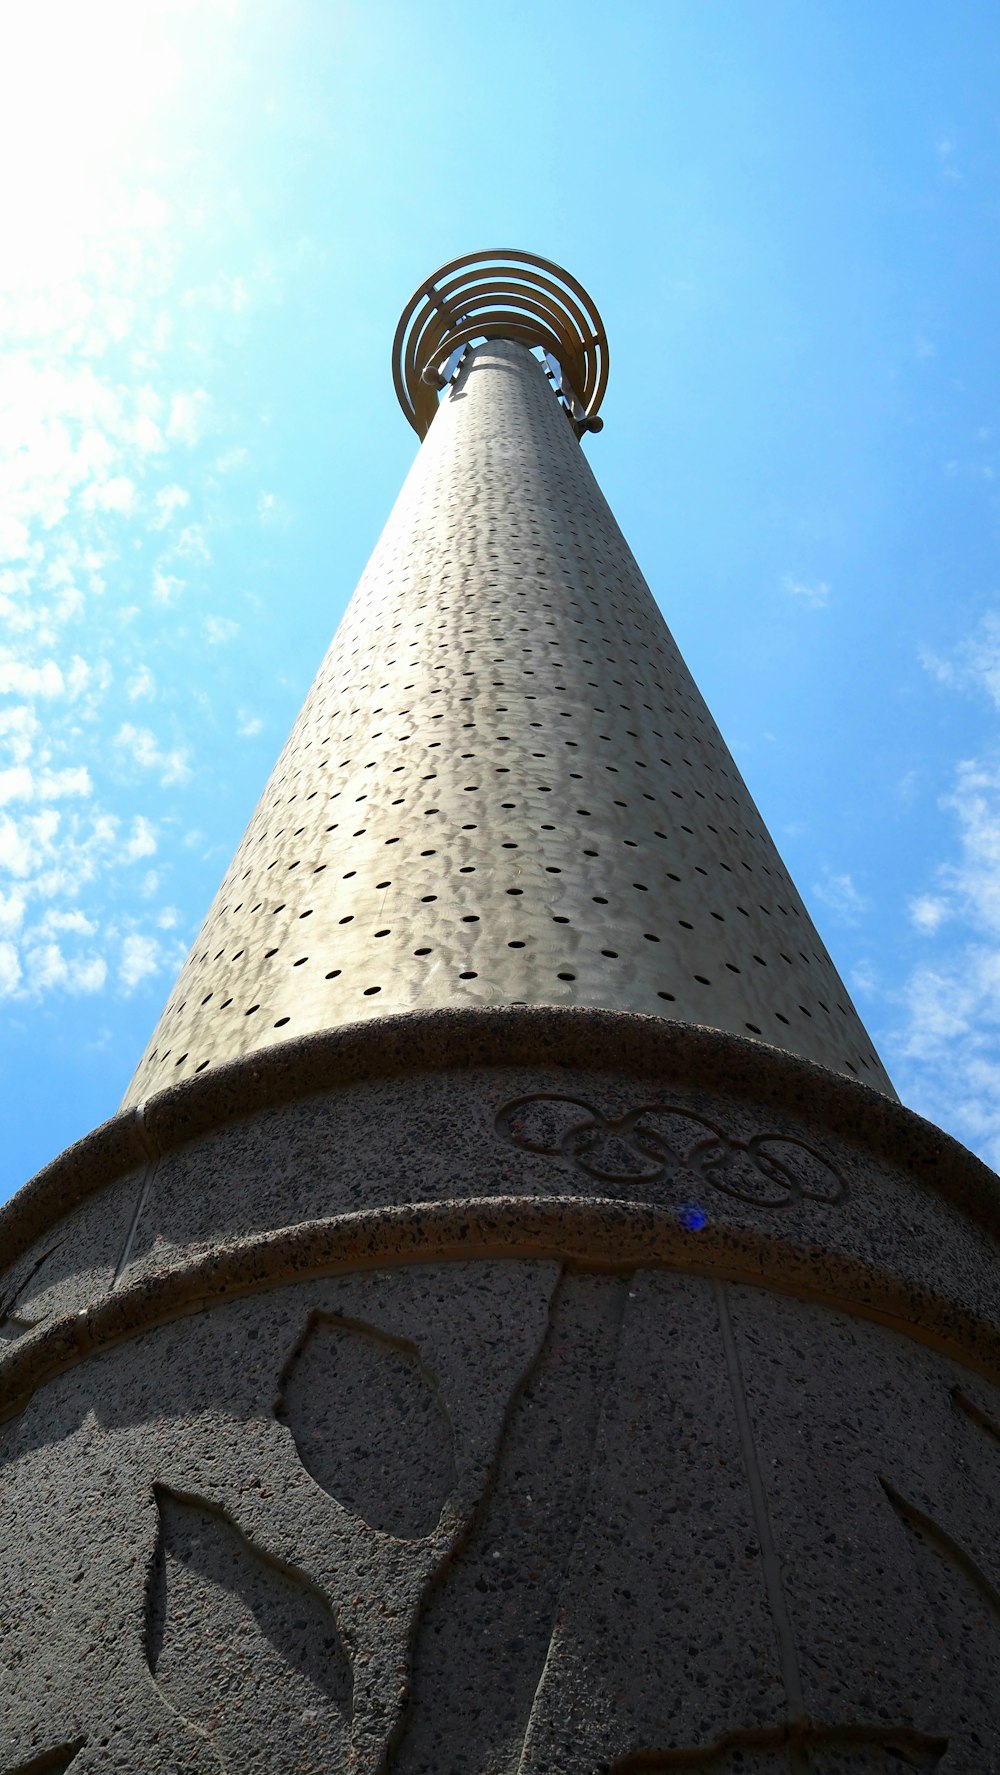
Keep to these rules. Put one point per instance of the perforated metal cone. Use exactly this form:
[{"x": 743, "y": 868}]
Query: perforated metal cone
[{"x": 504, "y": 787}]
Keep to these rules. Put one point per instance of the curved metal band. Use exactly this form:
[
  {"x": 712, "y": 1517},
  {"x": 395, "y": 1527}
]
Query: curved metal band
[{"x": 502, "y": 294}]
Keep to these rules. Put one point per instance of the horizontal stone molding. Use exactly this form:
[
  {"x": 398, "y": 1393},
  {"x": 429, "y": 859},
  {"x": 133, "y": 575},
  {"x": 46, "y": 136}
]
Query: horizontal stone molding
[
  {"x": 596, "y": 1040},
  {"x": 595, "y": 1234}
]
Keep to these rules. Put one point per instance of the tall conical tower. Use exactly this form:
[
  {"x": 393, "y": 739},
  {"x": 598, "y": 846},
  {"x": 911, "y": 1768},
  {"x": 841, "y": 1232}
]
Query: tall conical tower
[
  {"x": 504, "y": 787},
  {"x": 510, "y": 1325}
]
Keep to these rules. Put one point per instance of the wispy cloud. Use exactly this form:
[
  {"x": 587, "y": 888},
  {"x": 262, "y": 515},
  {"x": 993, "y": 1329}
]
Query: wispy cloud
[
  {"x": 166, "y": 587},
  {"x": 109, "y": 437},
  {"x": 114, "y": 495},
  {"x": 140, "y": 957},
  {"x": 219, "y": 629},
  {"x": 141, "y": 687},
  {"x": 165, "y": 503},
  {"x": 141, "y": 747},
  {"x": 839, "y": 893},
  {"x": 10, "y": 969},
  {"x": 974, "y": 665},
  {"x": 141, "y": 841},
  {"x": 273, "y": 511},
  {"x": 20, "y": 678},
  {"x": 928, "y": 913},
  {"x": 232, "y": 459},
  {"x": 815, "y": 594},
  {"x": 189, "y": 416},
  {"x": 950, "y": 1029},
  {"x": 944, "y": 148},
  {"x": 19, "y": 783}
]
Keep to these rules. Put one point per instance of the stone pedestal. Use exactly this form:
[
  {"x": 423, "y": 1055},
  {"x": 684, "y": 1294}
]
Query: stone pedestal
[{"x": 497, "y": 1391}]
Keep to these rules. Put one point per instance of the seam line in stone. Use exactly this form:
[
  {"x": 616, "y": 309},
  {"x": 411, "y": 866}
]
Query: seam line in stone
[
  {"x": 149, "y": 1174},
  {"x": 770, "y": 1559},
  {"x": 586, "y": 1490}
]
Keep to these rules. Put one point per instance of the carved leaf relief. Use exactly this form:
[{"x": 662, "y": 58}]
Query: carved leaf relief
[
  {"x": 14, "y": 1312},
  {"x": 370, "y": 1425},
  {"x": 243, "y": 1649},
  {"x": 487, "y": 1626},
  {"x": 51, "y": 1762}
]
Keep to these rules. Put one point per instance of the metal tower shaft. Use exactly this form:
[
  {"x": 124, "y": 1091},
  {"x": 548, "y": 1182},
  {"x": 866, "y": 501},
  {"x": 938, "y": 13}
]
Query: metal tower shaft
[{"x": 504, "y": 786}]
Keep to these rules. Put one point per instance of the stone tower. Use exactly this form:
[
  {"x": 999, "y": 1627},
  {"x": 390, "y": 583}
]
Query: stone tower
[{"x": 511, "y": 1327}]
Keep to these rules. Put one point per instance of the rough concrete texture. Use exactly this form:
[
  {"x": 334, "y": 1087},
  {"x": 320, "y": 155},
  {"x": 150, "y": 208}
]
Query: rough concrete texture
[
  {"x": 743, "y": 1161},
  {"x": 619, "y": 1520},
  {"x": 512, "y": 1419},
  {"x": 504, "y": 787}
]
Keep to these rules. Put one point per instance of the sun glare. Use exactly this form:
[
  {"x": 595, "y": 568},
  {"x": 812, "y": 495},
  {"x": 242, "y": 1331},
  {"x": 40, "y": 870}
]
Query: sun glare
[{"x": 80, "y": 87}]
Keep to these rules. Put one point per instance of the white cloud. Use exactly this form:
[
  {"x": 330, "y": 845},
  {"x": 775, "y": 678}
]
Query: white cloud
[
  {"x": 231, "y": 459},
  {"x": 55, "y": 924},
  {"x": 228, "y": 295},
  {"x": 928, "y": 913},
  {"x": 147, "y": 436},
  {"x": 16, "y": 784},
  {"x": 973, "y": 882},
  {"x": 55, "y": 785},
  {"x": 12, "y": 908},
  {"x": 944, "y": 148},
  {"x": 166, "y": 588},
  {"x": 249, "y": 725},
  {"x": 141, "y": 687},
  {"x": 45, "y": 965},
  {"x": 18, "y": 678},
  {"x": 839, "y": 893},
  {"x": 272, "y": 510},
  {"x": 815, "y": 595},
  {"x": 97, "y": 427},
  {"x": 140, "y": 957},
  {"x": 95, "y": 451},
  {"x": 26, "y": 844},
  {"x": 80, "y": 675},
  {"x": 142, "y": 840},
  {"x": 115, "y": 495},
  {"x": 10, "y": 969},
  {"x": 87, "y": 973},
  {"x": 191, "y": 544},
  {"x": 864, "y": 980},
  {"x": 18, "y": 728},
  {"x": 219, "y": 629},
  {"x": 949, "y": 1035},
  {"x": 974, "y": 664},
  {"x": 143, "y": 748},
  {"x": 168, "y": 501},
  {"x": 14, "y": 537},
  {"x": 188, "y": 416}
]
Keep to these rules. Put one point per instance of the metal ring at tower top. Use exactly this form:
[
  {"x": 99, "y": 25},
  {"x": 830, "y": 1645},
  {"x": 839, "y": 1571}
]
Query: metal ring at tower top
[{"x": 498, "y": 295}]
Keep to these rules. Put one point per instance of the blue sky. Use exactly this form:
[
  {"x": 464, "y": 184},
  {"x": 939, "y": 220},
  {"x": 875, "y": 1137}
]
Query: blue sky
[{"x": 788, "y": 215}]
